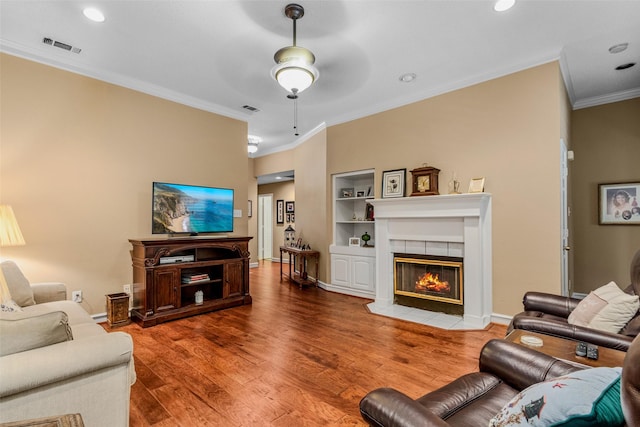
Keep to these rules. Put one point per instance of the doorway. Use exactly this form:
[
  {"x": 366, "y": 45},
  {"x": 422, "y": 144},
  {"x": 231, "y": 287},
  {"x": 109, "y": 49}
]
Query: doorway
[
  {"x": 265, "y": 227},
  {"x": 566, "y": 287}
]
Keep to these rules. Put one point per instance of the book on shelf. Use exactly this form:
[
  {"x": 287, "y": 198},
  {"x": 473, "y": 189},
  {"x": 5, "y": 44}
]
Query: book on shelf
[{"x": 193, "y": 278}]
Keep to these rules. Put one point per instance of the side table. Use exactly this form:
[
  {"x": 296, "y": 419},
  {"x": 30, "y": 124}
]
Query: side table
[
  {"x": 565, "y": 349},
  {"x": 304, "y": 257}
]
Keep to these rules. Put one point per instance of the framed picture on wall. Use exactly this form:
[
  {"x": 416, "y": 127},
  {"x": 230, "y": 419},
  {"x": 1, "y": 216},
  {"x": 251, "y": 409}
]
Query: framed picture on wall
[
  {"x": 290, "y": 207},
  {"x": 279, "y": 211},
  {"x": 619, "y": 203},
  {"x": 393, "y": 183}
]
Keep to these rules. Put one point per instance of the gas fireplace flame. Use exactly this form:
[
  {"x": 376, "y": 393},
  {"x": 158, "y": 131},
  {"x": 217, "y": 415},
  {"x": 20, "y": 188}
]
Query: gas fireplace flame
[{"x": 431, "y": 282}]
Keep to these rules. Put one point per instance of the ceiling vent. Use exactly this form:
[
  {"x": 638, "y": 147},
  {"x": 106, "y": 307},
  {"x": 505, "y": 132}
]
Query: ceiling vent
[
  {"x": 250, "y": 108},
  {"x": 61, "y": 45}
]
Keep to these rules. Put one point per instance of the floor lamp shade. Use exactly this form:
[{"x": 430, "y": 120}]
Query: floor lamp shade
[{"x": 10, "y": 234}]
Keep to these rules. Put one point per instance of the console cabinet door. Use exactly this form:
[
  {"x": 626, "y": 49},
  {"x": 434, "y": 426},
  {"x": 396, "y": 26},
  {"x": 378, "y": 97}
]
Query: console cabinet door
[
  {"x": 233, "y": 279},
  {"x": 341, "y": 270},
  {"x": 363, "y": 270},
  {"x": 165, "y": 295}
]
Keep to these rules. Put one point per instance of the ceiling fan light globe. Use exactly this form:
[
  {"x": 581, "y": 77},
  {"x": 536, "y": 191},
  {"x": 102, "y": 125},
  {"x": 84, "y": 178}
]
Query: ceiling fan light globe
[{"x": 295, "y": 76}]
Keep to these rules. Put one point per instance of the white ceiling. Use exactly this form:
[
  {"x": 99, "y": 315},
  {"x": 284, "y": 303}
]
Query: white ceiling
[{"x": 217, "y": 55}]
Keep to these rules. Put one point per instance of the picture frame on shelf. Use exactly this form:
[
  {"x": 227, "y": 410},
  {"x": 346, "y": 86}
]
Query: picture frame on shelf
[
  {"x": 393, "y": 183},
  {"x": 279, "y": 211},
  {"x": 368, "y": 212},
  {"x": 476, "y": 185},
  {"x": 354, "y": 241},
  {"x": 619, "y": 203},
  {"x": 345, "y": 193},
  {"x": 359, "y": 193},
  {"x": 290, "y": 207}
]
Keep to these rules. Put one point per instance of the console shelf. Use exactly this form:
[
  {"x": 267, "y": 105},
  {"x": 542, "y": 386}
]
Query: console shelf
[{"x": 167, "y": 273}]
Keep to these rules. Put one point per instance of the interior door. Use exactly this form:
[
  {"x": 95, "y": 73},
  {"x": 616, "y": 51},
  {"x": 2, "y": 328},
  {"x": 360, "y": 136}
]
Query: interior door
[
  {"x": 265, "y": 226},
  {"x": 564, "y": 221}
]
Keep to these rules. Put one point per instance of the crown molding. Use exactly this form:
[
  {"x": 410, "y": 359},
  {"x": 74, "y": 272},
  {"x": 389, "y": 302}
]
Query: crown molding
[{"x": 607, "y": 99}]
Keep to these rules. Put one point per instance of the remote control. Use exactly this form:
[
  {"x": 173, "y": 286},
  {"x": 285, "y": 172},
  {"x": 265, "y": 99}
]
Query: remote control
[
  {"x": 581, "y": 349},
  {"x": 592, "y": 352}
]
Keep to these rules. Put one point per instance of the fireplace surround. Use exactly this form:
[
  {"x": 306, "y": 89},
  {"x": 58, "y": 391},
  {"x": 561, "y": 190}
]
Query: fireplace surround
[{"x": 444, "y": 225}]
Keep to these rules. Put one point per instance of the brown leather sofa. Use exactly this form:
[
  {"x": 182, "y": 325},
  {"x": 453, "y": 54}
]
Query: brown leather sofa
[
  {"x": 547, "y": 314},
  {"x": 472, "y": 400}
]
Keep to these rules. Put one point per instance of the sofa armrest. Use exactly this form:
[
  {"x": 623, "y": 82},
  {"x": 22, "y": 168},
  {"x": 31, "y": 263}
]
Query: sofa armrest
[
  {"x": 573, "y": 332},
  {"x": 520, "y": 366},
  {"x": 49, "y": 291},
  {"x": 388, "y": 407},
  {"x": 60, "y": 362},
  {"x": 549, "y": 303}
]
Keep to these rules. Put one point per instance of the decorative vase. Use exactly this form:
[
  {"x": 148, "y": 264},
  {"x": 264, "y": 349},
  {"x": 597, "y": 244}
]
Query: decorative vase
[{"x": 365, "y": 238}]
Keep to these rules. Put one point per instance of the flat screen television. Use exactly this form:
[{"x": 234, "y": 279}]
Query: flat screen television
[{"x": 193, "y": 209}]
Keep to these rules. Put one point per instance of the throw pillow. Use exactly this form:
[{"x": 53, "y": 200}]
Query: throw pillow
[
  {"x": 590, "y": 397},
  {"x": 9, "y": 306},
  {"x": 18, "y": 285},
  {"x": 21, "y": 333},
  {"x": 608, "y": 308}
]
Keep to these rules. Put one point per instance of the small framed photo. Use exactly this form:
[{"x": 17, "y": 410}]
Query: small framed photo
[
  {"x": 291, "y": 207},
  {"x": 279, "y": 211},
  {"x": 354, "y": 241},
  {"x": 288, "y": 218},
  {"x": 359, "y": 193},
  {"x": 619, "y": 203},
  {"x": 346, "y": 193},
  {"x": 476, "y": 185},
  {"x": 393, "y": 182}
]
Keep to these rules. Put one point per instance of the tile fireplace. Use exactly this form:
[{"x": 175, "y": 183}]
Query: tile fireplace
[{"x": 450, "y": 228}]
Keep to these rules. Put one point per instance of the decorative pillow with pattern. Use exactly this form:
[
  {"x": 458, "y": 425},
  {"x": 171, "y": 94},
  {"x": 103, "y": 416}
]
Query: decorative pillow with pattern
[{"x": 590, "y": 397}]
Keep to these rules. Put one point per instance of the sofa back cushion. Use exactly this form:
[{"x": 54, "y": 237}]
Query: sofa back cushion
[
  {"x": 21, "y": 332},
  {"x": 18, "y": 285}
]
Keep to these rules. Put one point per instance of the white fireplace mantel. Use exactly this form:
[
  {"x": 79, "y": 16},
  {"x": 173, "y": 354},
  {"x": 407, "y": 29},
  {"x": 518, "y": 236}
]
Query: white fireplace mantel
[{"x": 452, "y": 225}]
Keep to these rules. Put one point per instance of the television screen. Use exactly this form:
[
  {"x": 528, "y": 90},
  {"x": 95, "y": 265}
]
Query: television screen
[{"x": 191, "y": 209}]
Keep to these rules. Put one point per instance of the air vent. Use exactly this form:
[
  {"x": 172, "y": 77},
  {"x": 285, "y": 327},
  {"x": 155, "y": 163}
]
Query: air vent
[
  {"x": 61, "y": 45},
  {"x": 250, "y": 108}
]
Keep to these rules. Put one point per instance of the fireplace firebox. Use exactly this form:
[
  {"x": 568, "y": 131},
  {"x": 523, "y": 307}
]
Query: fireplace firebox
[{"x": 429, "y": 282}]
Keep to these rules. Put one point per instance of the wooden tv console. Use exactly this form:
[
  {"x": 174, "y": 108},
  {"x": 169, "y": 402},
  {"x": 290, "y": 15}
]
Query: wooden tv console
[{"x": 163, "y": 267}]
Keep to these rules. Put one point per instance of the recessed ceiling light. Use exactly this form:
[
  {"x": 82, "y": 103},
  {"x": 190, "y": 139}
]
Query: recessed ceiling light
[
  {"x": 502, "y": 5},
  {"x": 625, "y": 66},
  {"x": 93, "y": 14},
  {"x": 617, "y": 48},
  {"x": 407, "y": 78}
]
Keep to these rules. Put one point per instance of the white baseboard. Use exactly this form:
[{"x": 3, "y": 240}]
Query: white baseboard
[
  {"x": 100, "y": 317},
  {"x": 501, "y": 319}
]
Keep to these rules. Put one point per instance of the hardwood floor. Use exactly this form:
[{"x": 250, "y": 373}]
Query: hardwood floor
[{"x": 292, "y": 358}]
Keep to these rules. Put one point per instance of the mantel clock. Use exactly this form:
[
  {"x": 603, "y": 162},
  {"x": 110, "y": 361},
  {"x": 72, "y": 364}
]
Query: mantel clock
[{"x": 425, "y": 181}]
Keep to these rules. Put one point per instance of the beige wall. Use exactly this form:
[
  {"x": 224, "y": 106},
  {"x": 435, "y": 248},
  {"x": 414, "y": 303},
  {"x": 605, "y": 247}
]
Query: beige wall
[
  {"x": 285, "y": 191},
  {"x": 507, "y": 130},
  {"x": 312, "y": 211},
  {"x": 606, "y": 142},
  {"x": 78, "y": 160}
]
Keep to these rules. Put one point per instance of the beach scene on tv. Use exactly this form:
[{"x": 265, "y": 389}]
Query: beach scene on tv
[{"x": 191, "y": 209}]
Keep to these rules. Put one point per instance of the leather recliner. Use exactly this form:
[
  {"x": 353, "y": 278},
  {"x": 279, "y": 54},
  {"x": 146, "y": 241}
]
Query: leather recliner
[
  {"x": 506, "y": 369},
  {"x": 547, "y": 314}
]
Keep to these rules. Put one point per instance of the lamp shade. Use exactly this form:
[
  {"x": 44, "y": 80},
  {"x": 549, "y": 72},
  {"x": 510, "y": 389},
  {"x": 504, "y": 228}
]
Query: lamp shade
[{"x": 10, "y": 234}]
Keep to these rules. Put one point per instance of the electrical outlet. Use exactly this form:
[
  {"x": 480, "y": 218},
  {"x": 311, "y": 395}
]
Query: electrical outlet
[
  {"x": 126, "y": 289},
  {"x": 76, "y": 296}
]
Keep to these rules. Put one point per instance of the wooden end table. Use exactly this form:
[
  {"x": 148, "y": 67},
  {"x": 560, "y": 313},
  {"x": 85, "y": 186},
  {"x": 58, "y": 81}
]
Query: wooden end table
[
  {"x": 300, "y": 277},
  {"x": 565, "y": 349}
]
